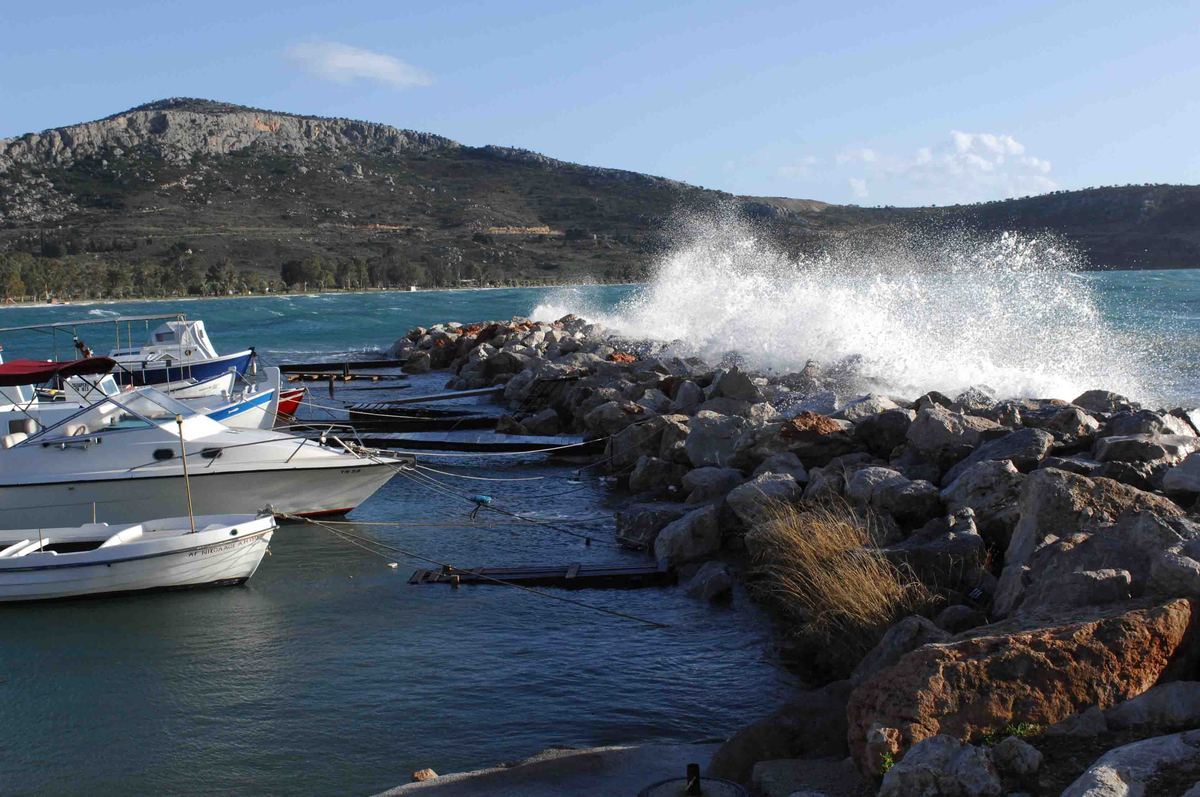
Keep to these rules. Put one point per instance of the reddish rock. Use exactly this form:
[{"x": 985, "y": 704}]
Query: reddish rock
[
  {"x": 809, "y": 424},
  {"x": 621, "y": 357},
  {"x": 1006, "y": 674}
]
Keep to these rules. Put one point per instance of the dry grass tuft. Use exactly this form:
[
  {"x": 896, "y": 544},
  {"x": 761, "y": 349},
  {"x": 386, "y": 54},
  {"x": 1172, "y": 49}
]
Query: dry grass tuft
[{"x": 820, "y": 565}]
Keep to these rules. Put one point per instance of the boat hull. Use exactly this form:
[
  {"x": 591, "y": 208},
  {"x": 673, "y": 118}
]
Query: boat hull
[
  {"x": 132, "y": 373},
  {"x": 210, "y": 559},
  {"x": 298, "y": 491}
]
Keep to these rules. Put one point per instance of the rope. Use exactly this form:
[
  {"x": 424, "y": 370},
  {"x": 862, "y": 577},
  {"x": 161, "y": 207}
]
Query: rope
[
  {"x": 349, "y": 537},
  {"x": 483, "y": 478}
]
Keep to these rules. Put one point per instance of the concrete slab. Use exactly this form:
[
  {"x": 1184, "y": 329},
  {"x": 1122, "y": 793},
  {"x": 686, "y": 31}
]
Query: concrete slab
[{"x": 553, "y": 773}]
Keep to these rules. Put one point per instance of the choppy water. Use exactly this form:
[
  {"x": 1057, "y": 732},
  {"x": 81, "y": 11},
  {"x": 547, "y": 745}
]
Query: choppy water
[{"x": 328, "y": 674}]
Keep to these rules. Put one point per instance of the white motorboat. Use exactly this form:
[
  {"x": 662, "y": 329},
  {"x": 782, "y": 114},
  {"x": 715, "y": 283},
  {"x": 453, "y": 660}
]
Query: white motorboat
[
  {"x": 96, "y": 558},
  {"x": 121, "y": 460},
  {"x": 176, "y": 351}
]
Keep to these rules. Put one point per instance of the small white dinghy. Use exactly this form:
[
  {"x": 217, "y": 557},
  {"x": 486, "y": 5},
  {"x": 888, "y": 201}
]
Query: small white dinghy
[{"x": 96, "y": 558}]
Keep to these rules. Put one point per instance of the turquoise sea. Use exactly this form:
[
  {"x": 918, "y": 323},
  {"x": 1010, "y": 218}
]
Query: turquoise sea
[{"x": 328, "y": 674}]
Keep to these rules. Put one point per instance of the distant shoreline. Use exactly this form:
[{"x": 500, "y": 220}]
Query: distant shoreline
[{"x": 308, "y": 294}]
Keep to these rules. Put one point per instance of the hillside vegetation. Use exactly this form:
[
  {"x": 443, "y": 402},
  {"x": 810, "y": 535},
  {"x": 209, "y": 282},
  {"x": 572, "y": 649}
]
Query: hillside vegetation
[{"x": 195, "y": 196}]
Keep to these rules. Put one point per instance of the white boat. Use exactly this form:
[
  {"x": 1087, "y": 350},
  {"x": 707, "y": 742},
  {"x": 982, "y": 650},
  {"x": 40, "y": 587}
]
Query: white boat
[
  {"x": 96, "y": 558},
  {"x": 121, "y": 460},
  {"x": 252, "y": 407},
  {"x": 177, "y": 351}
]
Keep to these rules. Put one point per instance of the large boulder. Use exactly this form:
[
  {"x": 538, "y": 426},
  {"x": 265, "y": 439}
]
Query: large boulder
[
  {"x": 1165, "y": 448},
  {"x": 1024, "y": 448},
  {"x": 638, "y": 525},
  {"x": 907, "y": 635},
  {"x": 991, "y": 490},
  {"x": 815, "y": 439},
  {"x": 696, "y": 535},
  {"x": 1008, "y": 674},
  {"x": 1130, "y": 770},
  {"x": 674, "y": 439},
  {"x": 829, "y": 481},
  {"x": 654, "y": 475},
  {"x": 635, "y": 440},
  {"x": 786, "y": 463},
  {"x": 890, "y": 493},
  {"x": 613, "y": 416},
  {"x": 882, "y": 433},
  {"x": 810, "y": 725},
  {"x": 754, "y": 501},
  {"x": 1055, "y": 503},
  {"x": 734, "y": 384},
  {"x": 709, "y": 483},
  {"x": 1165, "y": 707},
  {"x": 1103, "y": 401},
  {"x": 947, "y": 552},
  {"x": 712, "y": 582},
  {"x": 1184, "y": 478},
  {"x": 865, "y": 406},
  {"x": 713, "y": 438},
  {"x": 943, "y": 766},
  {"x": 947, "y": 436}
]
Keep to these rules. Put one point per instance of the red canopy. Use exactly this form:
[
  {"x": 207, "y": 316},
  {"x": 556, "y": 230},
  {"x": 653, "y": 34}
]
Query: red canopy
[{"x": 36, "y": 372}]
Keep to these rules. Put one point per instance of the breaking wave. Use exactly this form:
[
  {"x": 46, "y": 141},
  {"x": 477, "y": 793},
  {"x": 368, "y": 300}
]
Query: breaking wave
[{"x": 921, "y": 311}]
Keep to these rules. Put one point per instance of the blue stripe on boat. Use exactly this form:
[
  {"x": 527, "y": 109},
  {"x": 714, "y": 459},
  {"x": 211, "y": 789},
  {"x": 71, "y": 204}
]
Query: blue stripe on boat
[
  {"x": 200, "y": 371},
  {"x": 257, "y": 400}
]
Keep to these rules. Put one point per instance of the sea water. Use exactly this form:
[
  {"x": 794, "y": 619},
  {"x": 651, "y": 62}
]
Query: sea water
[{"x": 328, "y": 674}]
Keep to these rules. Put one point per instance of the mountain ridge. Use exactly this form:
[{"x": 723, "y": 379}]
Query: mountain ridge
[{"x": 261, "y": 188}]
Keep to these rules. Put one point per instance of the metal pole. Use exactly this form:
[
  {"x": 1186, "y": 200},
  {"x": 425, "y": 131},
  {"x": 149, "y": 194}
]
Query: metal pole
[{"x": 187, "y": 482}]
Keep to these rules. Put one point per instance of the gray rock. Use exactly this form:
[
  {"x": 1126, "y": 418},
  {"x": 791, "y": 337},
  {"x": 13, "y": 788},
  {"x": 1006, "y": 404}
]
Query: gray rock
[
  {"x": 946, "y": 551},
  {"x": 1025, "y": 448},
  {"x": 1079, "y": 588},
  {"x": 673, "y": 447},
  {"x": 975, "y": 400},
  {"x": 654, "y": 475},
  {"x": 734, "y": 384},
  {"x": 889, "y": 492},
  {"x": 688, "y": 397},
  {"x": 1103, "y": 401},
  {"x": 1175, "y": 574},
  {"x": 708, "y": 483},
  {"x": 1184, "y": 478},
  {"x": 905, "y": 636},
  {"x": 946, "y": 435},
  {"x": 642, "y": 438},
  {"x": 884, "y": 432},
  {"x": 1146, "y": 448},
  {"x": 1072, "y": 423},
  {"x": 1089, "y": 723},
  {"x": 864, "y": 406},
  {"x": 958, "y": 618},
  {"x": 723, "y": 405},
  {"x": 787, "y": 463},
  {"x": 1014, "y": 756},
  {"x": 1127, "y": 770},
  {"x": 942, "y": 766},
  {"x": 1084, "y": 466},
  {"x": 696, "y": 535},
  {"x": 639, "y": 524},
  {"x": 1149, "y": 422},
  {"x": 712, "y": 582},
  {"x": 991, "y": 489},
  {"x": 830, "y": 481},
  {"x": 418, "y": 362},
  {"x": 752, "y": 502},
  {"x": 713, "y": 438},
  {"x": 1166, "y": 706},
  {"x": 655, "y": 400},
  {"x": 543, "y": 423},
  {"x": 613, "y": 416}
]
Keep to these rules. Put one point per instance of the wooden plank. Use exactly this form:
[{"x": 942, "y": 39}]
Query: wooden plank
[
  {"x": 476, "y": 441},
  {"x": 575, "y": 576},
  {"x": 339, "y": 366},
  {"x": 447, "y": 396}
]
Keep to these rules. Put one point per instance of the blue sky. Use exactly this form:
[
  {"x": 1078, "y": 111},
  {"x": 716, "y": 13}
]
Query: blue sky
[{"x": 874, "y": 103}]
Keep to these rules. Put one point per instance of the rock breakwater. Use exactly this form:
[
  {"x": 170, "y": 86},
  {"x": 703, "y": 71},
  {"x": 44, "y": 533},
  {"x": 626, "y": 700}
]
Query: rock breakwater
[{"x": 1060, "y": 538}]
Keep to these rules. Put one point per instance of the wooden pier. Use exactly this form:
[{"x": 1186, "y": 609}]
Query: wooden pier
[
  {"x": 573, "y": 576},
  {"x": 479, "y": 442},
  {"x": 338, "y": 366},
  {"x": 383, "y": 416}
]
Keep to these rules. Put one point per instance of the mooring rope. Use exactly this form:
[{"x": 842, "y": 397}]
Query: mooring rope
[{"x": 360, "y": 540}]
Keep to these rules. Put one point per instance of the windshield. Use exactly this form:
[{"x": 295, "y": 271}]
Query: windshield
[{"x": 137, "y": 410}]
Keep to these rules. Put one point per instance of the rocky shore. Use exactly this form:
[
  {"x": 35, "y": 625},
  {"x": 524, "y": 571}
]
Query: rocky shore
[{"x": 1017, "y": 610}]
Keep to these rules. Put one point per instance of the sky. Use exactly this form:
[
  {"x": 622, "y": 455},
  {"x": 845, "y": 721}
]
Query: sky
[{"x": 905, "y": 103}]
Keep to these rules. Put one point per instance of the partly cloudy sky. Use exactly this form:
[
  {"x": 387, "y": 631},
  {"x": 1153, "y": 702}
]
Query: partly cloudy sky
[
  {"x": 344, "y": 63},
  {"x": 963, "y": 167}
]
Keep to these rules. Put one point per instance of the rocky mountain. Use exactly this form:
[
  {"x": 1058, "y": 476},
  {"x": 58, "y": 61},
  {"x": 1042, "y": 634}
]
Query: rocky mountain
[{"x": 203, "y": 185}]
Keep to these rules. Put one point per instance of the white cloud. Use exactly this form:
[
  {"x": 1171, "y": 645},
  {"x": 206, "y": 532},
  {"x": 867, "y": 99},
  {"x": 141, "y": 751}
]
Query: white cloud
[
  {"x": 799, "y": 169},
  {"x": 343, "y": 63},
  {"x": 963, "y": 167}
]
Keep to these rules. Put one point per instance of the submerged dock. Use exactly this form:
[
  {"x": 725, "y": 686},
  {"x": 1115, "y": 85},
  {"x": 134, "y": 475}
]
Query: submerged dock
[
  {"x": 479, "y": 442},
  {"x": 573, "y": 576}
]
